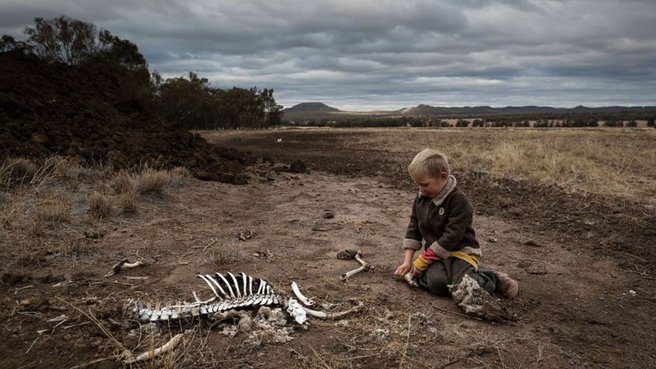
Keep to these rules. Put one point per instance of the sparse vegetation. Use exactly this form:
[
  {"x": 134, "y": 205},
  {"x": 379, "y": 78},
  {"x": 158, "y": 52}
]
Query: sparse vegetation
[
  {"x": 17, "y": 171},
  {"x": 127, "y": 202},
  {"x": 179, "y": 176},
  {"x": 150, "y": 181},
  {"x": 55, "y": 209},
  {"x": 100, "y": 206},
  {"x": 605, "y": 161},
  {"x": 122, "y": 183}
]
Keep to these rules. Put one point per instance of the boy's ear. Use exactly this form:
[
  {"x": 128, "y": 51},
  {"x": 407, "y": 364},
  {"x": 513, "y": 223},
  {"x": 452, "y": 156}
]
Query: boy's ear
[{"x": 444, "y": 175}]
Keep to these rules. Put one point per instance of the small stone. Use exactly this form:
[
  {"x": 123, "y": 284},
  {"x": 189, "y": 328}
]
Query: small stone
[
  {"x": 492, "y": 240},
  {"x": 328, "y": 215},
  {"x": 531, "y": 243}
]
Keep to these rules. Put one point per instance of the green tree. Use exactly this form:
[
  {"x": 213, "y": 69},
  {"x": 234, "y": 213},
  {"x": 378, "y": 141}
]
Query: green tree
[
  {"x": 8, "y": 43},
  {"x": 187, "y": 102},
  {"x": 73, "y": 41},
  {"x": 62, "y": 39}
]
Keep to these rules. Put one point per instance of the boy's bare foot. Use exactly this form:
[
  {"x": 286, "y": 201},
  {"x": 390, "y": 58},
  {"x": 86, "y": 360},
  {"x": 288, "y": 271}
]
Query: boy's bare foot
[{"x": 507, "y": 286}]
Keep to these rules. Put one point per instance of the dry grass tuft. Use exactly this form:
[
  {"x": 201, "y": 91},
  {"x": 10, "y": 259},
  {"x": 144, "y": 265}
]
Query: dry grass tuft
[
  {"x": 9, "y": 213},
  {"x": 127, "y": 202},
  {"x": 179, "y": 176},
  {"x": 152, "y": 182},
  {"x": 57, "y": 210},
  {"x": 122, "y": 183},
  {"x": 100, "y": 205},
  {"x": 17, "y": 171},
  {"x": 66, "y": 170}
]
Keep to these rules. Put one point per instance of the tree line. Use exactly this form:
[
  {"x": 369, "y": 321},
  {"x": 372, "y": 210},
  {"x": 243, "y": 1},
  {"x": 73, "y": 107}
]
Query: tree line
[
  {"x": 572, "y": 120},
  {"x": 188, "y": 101}
]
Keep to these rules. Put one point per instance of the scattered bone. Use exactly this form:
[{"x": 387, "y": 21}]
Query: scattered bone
[
  {"x": 122, "y": 265},
  {"x": 136, "y": 278},
  {"x": 410, "y": 279},
  {"x": 170, "y": 345},
  {"x": 476, "y": 302},
  {"x": 357, "y": 306},
  {"x": 246, "y": 235},
  {"x": 304, "y": 300},
  {"x": 350, "y": 254}
]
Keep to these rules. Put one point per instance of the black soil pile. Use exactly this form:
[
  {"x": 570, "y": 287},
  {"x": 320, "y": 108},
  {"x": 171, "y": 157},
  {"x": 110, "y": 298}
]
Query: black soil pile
[{"x": 101, "y": 113}]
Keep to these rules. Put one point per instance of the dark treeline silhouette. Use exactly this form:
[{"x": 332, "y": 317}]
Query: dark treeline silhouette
[
  {"x": 186, "y": 102},
  {"x": 565, "y": 120}
]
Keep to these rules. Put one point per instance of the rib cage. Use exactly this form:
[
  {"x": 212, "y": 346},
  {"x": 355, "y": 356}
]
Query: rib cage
[{"x": 230, "y": 292}]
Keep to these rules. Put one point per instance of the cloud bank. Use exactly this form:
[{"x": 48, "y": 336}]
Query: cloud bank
[{"x": 365, "y": 54}]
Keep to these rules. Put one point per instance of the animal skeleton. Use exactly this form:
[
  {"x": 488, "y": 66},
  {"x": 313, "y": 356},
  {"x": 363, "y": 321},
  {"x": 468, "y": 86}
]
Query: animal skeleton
[
  {"x": 476, "y": 302},
  {"x": 234, "y": 292}
]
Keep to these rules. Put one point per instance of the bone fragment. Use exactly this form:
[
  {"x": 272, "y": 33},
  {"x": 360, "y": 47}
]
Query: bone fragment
[
  {"x": 348, "y": 274},
  {"x": 208, "y": 280},
  {"x": 234, "y": 280},
  {"x": 122, "y": 265},
  {"x": 363, "y": 266},
  {"x": 297, "y": 292},
  {"x": 170, "y": 345},
  {"x": 410, "y": 279},
  {"x": 337, "y": 315},
  {"x": 232, "y": 294}
]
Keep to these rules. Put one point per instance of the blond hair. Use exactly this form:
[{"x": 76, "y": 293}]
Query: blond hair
[{"x": 428, "y": 162}]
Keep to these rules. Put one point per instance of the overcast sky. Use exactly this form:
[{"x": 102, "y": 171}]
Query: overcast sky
[{"x": 388, "y": 54}]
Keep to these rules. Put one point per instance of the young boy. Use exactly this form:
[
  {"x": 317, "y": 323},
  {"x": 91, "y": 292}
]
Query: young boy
[{"x": 442, "y": 218}]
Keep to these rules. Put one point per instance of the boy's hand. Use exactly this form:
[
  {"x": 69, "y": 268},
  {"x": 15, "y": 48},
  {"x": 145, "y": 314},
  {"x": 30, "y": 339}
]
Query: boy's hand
[{"x": 403, "y": 269}]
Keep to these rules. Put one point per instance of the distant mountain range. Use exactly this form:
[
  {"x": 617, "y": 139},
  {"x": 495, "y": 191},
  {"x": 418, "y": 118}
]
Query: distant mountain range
[
  {"x": 427, "y": 110},
  {"x": 308, "y": 109}
]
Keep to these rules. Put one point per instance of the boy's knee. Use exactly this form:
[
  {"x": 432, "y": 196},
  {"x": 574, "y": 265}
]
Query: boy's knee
[{"x": 436, "y": 281}]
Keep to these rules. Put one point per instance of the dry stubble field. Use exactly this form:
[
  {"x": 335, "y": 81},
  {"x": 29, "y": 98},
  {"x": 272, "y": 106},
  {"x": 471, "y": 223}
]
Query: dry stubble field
[{"x": 569, "y": 213}]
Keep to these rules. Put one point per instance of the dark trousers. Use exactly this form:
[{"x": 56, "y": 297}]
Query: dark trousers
[{"x": 449, "y": 271}]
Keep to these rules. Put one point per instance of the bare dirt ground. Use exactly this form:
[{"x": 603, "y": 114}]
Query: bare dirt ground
[{"x": 584, "y": 301}]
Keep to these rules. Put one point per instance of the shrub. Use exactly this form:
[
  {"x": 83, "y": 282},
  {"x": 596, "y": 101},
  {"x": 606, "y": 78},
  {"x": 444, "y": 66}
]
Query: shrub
[
  {"x": 54, "y": 210},
  {"x": 17, "y": 171},
  {"x": 100, "y": 205},
  {"x": 179, "y": 176},
  {"x": 152, "y": 182},
  {"x": 122, "y": 183},
  {"x": 128, "y": 202}
]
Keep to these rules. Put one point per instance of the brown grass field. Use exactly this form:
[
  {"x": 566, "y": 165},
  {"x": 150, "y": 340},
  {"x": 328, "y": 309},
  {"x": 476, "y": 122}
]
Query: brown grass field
[{"x": 569, "y": 213}]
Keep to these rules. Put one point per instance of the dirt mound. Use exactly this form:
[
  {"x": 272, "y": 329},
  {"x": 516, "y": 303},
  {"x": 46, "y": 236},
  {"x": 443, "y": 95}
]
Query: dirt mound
[{"x": 100, "y": 112}]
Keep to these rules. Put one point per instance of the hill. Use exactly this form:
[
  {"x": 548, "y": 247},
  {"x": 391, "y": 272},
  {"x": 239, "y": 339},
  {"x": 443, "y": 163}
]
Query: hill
[{"x": 311, "y": 107}]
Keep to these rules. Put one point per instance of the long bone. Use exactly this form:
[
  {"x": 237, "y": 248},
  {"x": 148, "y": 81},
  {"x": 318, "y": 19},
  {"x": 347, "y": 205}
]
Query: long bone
[
  {"x": 358, "y": 257},
  {"x": 299, "y": 295}
]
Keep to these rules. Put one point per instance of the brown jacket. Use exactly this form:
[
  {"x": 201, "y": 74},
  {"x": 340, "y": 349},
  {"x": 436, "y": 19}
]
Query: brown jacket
[{"x": 443, "y": 222}]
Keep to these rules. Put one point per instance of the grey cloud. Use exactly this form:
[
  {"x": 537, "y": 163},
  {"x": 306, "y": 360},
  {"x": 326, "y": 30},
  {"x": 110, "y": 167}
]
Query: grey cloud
[{"x": 389, "y": 53}]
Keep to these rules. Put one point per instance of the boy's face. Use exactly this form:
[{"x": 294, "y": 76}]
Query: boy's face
[{"x": 431, "y": 186}]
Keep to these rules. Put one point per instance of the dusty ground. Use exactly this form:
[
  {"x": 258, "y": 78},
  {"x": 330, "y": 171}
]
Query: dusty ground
[{"x": 583, "y": 302}]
